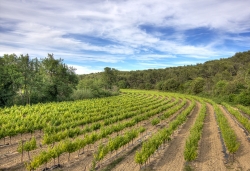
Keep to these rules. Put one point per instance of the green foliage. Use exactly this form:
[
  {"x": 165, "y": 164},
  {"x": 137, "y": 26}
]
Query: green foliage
[
  {"x": 109, "y": 77},
  {"x": 227, "y": 79},
  {"x": 154, "y": 142},
  {"x": 197, "y": 85},
  {"x": 191, "y": 146},
  {"x": 122, "y": 84},
  {"x": 116, "y": 143},
  {"x": 244, "y": 98},
  {"x": 28, "y": 81},
  {"x": 246, "y": 110},
  {"x": 227, "y": 132},
  {"x": 27, "y": 146},
  {"x": 243, "y": 120},
  {"x": 138, "y": 108},
  {"x": 81, "y": 94},
  {"x": 155, "y": 121},
  {"x": 98, "y": 119}
]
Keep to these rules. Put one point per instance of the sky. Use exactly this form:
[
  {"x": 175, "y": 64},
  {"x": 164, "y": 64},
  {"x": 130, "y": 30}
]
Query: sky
[{"x": 125, "y": 34}]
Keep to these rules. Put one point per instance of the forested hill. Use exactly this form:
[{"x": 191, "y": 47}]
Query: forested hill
[{"x": 226, "y": 79}]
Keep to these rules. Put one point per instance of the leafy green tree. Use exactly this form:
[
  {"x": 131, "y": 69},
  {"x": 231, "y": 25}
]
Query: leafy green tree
[
  {"x": 109, "y": 77},
  {"x": 9, "y": 75},
  {"x": 60, "y": 80},
  {"x": 197, "y": 85},
  {"x": 122, "y": 84}
]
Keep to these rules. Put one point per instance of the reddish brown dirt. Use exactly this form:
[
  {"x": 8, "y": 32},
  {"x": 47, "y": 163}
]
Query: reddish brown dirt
[
  {"x": 172, "y": 156},
  {"x": 242, "y": 156},
  {"x": 210, "y": 155}
]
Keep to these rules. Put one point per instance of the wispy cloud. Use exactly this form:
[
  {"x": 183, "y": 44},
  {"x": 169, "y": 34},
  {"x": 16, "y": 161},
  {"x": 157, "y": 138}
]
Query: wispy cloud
[
  {"x": 114, "y": 32},
  {"x": 85, "y": 69}
]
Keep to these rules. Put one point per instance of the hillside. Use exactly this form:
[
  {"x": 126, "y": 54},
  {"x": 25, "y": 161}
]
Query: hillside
[{"x": 226, "y": 79}]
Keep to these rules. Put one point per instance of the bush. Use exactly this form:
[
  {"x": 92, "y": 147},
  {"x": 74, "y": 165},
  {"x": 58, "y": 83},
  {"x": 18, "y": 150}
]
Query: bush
[
  {"x": 82, "y": 94},
  {"x": 244, "y": 98}
]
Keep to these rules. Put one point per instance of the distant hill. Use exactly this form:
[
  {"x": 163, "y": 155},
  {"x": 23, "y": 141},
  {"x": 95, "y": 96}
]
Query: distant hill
[{"x": 226, "y": 79}]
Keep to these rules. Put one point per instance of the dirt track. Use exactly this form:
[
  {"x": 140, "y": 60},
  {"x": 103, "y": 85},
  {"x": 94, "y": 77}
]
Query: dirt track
[
  {"x": 210, "y": 156},
  {"x": 172, "y": 157}
]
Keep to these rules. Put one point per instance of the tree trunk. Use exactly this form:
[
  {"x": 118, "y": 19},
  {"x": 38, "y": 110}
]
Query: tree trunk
[
  {"x": 58, "y": 160},
  {"x": 22, "y": 152},
  {"x": 29, "y": 154}
]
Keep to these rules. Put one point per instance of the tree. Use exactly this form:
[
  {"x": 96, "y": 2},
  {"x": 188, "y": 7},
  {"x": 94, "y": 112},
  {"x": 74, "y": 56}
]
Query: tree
[
  {"x": 197, "y": 85},
  {"x": 122, "y": 84},
  {"x": 9, "y": 75},
  {"x": 60, "y": 80},
  {"x": 109, "y": 77}
]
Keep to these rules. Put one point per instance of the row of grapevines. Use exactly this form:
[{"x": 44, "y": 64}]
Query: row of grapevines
[
  {"x": 117, "y": 142},
  {"x": 169, "y": 112},
  {"x": 27, "y": 146},
  {"x": 227, "y": 132},
  {"x": 245, "y": 109},
  {"x": 72, "y": 146},
  {"x": 243, "y": 120},
  {"x": 153, "y": 143},
  {"x": 105, "y": 119},
  {"x": 191, "y": 146},
  {"x": 93, "y": 117},
  {"x": 90, "y": 138},
  {"x": 175, "y": 108},
  {"x": 19, "y": 120},
  {"x": 136, "y": 116}
]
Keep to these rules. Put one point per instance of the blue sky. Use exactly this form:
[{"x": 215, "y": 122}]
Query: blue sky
[{"x": 125, "y": 34}]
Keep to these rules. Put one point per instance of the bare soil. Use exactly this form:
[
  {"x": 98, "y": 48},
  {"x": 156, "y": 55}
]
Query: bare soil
[
  {"x": 171, "y": 157},
  {"x": 242, "y": 156},
  {"x": 210, "y": 155}
]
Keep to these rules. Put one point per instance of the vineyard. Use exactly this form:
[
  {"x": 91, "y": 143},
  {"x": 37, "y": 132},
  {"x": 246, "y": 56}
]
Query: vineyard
[{"x": 136, "y": 130}]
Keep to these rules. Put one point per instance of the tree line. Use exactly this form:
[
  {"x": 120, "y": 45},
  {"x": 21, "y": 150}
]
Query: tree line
[
  {"x": 226, "y": 79},
  {"x": 25, "y": 81}
]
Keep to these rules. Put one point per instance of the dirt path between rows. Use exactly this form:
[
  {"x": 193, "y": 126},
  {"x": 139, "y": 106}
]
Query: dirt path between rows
[
  {"x": 172, "y": 157},
  {"x": 242, "y": 156},
  {"x": 210, "y": 155}
]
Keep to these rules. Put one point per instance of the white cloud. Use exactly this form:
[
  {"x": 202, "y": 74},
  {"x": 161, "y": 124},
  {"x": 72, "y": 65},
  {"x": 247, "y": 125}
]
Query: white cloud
[
  {"x": 85, "y": 69},
  {"x": 39, "y": 27}
]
